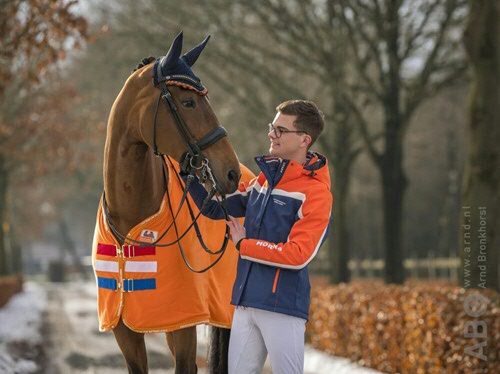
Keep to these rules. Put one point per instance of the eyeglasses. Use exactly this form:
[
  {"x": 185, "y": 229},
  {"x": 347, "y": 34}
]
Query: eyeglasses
[{"x": 278, "y": 131}]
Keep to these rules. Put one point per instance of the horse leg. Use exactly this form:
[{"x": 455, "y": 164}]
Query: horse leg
[
  {"x": 182, "y": 344},
  {"x": 133, "y": 348},
  {"x": 218, "y": 351}
]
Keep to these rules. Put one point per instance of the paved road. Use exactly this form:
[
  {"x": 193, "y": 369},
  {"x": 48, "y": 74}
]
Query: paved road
[{"x": 74, "y": 345}]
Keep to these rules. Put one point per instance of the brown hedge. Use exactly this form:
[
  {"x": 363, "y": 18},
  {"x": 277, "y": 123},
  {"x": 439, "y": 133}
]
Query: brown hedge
[
  {"x": 414, "y": 328},
  {"x": 9, "y": 286}
]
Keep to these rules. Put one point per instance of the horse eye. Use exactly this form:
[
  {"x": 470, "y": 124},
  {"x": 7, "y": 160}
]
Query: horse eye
[{"x": 189, "y": 103}]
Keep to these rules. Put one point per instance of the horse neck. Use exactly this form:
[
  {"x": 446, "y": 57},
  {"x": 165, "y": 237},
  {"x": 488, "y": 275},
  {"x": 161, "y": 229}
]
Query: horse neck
[{"x": 134, "y": 181}]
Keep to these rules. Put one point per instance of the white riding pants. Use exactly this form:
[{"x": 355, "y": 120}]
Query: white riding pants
[{"x": 255, "y": 333}]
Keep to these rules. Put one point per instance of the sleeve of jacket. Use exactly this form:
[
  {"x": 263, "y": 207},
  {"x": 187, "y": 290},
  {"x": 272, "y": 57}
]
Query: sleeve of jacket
[
  {"x": 304, "y": 241},
  {"x": 235, "y": 203}
]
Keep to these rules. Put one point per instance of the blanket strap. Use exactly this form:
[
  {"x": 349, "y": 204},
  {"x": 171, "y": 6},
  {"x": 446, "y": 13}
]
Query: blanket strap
[{"x": 126, "y": 250}]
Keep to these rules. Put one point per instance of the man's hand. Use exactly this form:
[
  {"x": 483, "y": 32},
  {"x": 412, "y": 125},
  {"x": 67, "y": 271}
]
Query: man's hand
[{"x": 238, "y": 232}]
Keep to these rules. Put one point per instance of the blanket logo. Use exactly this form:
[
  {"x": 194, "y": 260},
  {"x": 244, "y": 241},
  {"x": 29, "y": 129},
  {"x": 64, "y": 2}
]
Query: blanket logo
[{"x": 149, "y": 235}]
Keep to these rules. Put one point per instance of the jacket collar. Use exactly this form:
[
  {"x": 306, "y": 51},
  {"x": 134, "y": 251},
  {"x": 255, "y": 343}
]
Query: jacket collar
[{"x": 276, "y": 169}]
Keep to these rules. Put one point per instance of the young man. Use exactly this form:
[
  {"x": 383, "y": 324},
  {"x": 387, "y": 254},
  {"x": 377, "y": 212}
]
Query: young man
[{"x": 287, "y": 212}]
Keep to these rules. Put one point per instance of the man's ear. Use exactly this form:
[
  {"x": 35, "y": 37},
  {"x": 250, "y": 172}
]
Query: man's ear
[{"x": 307, "y": 140}]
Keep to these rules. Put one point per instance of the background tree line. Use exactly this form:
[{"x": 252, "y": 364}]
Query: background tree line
[
  {"x": 391, "y": 76},
  {"x": 37, "y": 127}
]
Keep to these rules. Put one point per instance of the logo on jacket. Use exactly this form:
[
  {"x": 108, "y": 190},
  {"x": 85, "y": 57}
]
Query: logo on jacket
[
  {"x": 279, "y": 202},
  {"x": 269, "y": 245},
  {"x": 149, "y": 235}
]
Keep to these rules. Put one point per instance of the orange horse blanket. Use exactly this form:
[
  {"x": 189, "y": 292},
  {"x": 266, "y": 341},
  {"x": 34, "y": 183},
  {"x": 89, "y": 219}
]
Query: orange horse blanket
[{"x": 151, "y": 288}]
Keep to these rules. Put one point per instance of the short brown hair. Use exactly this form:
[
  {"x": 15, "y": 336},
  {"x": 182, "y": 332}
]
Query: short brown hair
[{"x": 309, "y": 118}]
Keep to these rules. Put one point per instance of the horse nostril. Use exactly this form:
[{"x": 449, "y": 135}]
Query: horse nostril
[{"x": 233, "y": 177}]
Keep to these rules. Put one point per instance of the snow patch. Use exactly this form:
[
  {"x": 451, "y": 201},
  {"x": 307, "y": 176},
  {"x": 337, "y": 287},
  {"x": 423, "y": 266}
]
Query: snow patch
[
  {"x": 315, "y": 361},
  {"x": 321, "y": 363},
  {"x": 20, "y": 321}
]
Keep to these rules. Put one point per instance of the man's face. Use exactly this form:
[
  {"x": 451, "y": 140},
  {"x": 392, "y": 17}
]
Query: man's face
[{"x": 291, "y": 142}]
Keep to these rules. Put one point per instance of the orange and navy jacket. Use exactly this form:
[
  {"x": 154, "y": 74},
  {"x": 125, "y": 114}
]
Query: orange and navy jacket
[{"x": 287, "y": 210}]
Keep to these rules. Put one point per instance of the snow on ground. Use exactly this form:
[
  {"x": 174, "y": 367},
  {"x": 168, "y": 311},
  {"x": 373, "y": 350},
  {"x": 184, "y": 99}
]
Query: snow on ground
[
  {"x": 20, "y": 323},
  {"x": 315, "y": 362},
  {"x": 318, "y": 362}
]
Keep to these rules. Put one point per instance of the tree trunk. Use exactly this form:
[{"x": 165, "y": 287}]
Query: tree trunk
[
  {"x": 339, "y": 245},
  {"x": 68, "y": 246},
  {"x": 343, "y": 157},
  {"x": 391, "y": 162},
  {"x": 17, "y": 259},
  {"x": 480, "y": 228},
  {"x": 3, "y": 204},
  {"x": 393, "y": 189}
]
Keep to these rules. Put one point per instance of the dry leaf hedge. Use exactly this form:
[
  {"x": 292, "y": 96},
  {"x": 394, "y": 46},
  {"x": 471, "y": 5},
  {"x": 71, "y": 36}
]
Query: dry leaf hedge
[
  {"x": 414, "y": 328},
  {"x": 9, "y": 286}
]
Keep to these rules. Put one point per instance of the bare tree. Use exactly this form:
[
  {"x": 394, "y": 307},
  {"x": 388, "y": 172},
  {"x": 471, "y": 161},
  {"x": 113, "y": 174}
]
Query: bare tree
[
  {"x": 480, "y": 236},
  {"x": 405, "y": 52},
  {"x": 33, "y": 38}
]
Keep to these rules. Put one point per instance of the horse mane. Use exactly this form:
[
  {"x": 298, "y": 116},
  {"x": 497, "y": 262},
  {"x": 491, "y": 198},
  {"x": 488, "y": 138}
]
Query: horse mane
[{"x": 145, "y": 61}]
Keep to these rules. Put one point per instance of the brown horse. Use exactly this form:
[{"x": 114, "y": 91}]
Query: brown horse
[{"x": 135, "y": 182}]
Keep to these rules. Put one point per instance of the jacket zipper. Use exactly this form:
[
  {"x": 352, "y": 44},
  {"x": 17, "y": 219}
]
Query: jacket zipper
[
  {"x": 275, "y": 284},
  {"x": 260, "y": 215}
]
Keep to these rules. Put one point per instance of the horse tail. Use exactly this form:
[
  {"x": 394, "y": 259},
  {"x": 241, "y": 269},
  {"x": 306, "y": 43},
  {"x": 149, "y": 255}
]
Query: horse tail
[
  {"x": 218, "y": 350},
  {"x": 145, "y": 61}
]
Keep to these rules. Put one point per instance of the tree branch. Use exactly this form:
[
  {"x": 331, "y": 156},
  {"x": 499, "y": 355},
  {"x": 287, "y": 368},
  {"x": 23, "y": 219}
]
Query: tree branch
[
  {"x": 417, "y": 90},
  {"x": 363, "y": 126}
]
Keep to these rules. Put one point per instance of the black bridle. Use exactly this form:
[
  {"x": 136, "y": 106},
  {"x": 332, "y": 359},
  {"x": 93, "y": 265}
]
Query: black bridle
[
  {"x": 193, "y": 155},
  {"x": 191, "y": 162}
]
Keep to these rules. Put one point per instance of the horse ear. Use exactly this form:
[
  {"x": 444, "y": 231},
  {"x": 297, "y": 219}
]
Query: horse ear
[
  {"x": 172, "y": 56},
  {"x": 191, "y": 56}
]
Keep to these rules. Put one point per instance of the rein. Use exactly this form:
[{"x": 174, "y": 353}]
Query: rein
[
  {"x": 194, "y": 223},
  {"x": 188, "y": 165}
]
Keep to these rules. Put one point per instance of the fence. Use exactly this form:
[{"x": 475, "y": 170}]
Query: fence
[{"x": 427, "y": 268}]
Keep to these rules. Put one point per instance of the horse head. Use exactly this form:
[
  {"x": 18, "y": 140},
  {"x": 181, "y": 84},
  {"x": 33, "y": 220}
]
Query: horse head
[{"x": 185, "y": 125}]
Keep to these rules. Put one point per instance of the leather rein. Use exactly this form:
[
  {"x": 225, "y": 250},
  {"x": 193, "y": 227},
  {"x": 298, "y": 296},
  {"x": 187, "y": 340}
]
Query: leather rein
[{"x": 191, "y": 162}]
